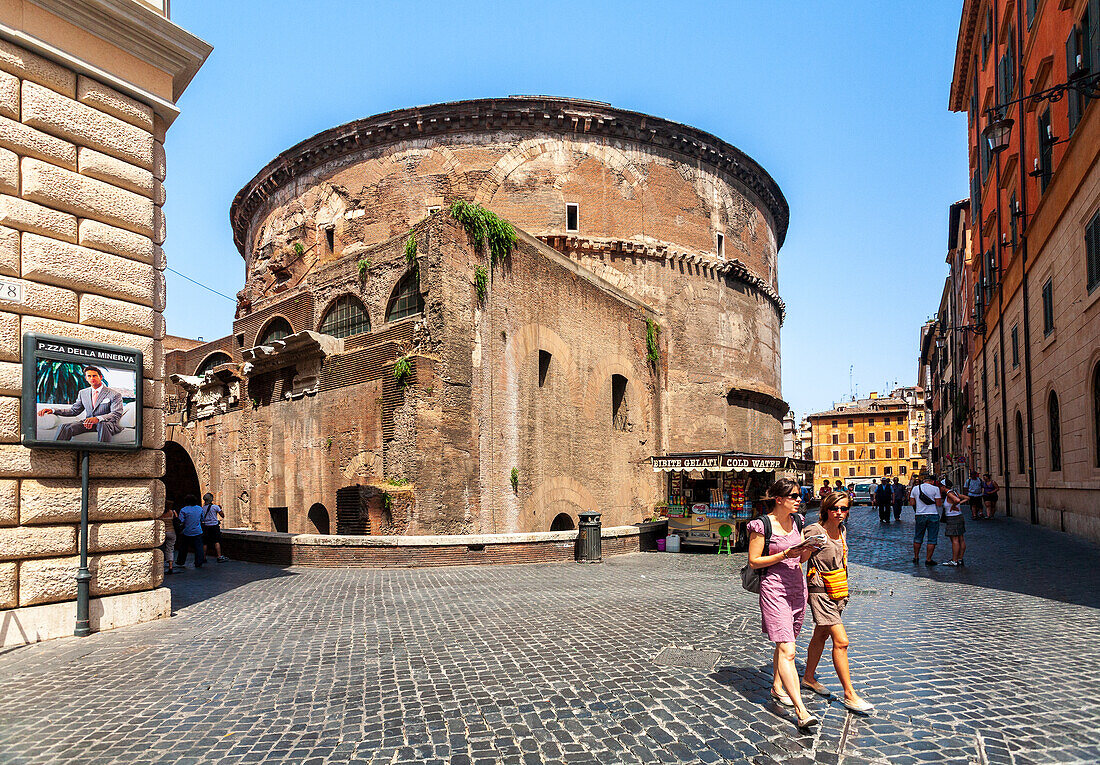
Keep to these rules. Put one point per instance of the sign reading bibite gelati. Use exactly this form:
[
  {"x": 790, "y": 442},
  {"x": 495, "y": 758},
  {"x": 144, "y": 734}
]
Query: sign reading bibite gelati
[{"x": 80, "y": 395}]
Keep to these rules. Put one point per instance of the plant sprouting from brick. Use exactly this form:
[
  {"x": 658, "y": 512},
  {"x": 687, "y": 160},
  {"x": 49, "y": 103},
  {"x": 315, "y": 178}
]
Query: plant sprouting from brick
[
  {"x": 653, "y": 351},
  {"x": 387, "y": 501},
  {"x": 328, "y": 443},
  {"x": 410, "y": 252},
  {"x": 364, "y": 266},
  {"x": 401, "y": 371},
  {"x": 397, "y": 481},
  {"x": 481, "y": 280},
  {"x": 515, "y": 480},
  {"x": 485, "y": 226},
  {"x": 299, "y": 250}
]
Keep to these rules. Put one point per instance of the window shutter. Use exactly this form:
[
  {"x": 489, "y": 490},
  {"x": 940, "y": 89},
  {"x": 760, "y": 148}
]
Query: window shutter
[
  {"x": 1071, "y": 67},
  {"x": 1092, "y": 253},
  {"x": 1092, "y": 36}
]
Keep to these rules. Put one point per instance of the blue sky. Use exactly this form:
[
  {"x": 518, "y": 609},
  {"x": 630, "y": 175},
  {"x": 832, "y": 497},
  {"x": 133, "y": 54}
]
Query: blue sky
[{"x": 844, "y": 103}]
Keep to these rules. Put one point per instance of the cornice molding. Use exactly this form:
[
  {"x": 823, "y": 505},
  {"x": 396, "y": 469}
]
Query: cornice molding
[
  {"x": 534, "y": 114},
  {"x": 138, "y": 30},
  {"x": 960, "y": 80}
]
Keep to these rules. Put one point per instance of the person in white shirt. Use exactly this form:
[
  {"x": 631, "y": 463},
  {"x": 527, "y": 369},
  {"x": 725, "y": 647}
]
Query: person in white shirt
[
  {"x": 955, "y": 525},
  {"x": 975, "y": 492},
  {"x": 926, "y": 501}
]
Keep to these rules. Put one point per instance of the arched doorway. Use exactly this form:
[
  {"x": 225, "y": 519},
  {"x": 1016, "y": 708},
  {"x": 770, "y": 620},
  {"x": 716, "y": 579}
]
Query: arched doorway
[
  {"x": 318, "y": 516},
  {"x": 562, "y": 522},
  {"x": 180, "y": 476}
]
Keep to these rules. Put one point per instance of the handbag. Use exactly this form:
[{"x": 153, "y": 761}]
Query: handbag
[{"x": 836, "y": 582}]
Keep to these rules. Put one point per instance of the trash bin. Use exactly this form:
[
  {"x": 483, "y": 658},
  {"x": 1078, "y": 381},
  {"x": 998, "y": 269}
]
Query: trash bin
[{"x": 589, "y": 547}]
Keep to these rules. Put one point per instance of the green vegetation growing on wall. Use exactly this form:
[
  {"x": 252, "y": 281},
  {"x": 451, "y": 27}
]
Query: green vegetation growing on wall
[
  {"x": 410, "y": 251},
  {"x": 401, "y": 371},
  {"x": 299, "y": 250},
  {"x": 515, "y": 480},
  {"x": 653, "y": 350},
  {"x": 364, "y": 266},
  {"x": 485, "y": 226},
  {"x": 481, "y": 280}
]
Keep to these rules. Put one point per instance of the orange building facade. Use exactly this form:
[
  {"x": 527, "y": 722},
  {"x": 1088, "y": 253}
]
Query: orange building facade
[{"x": 1026, "y": 72}]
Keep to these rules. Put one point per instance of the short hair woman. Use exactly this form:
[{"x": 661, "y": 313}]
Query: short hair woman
[
  {"x": 782, "y": 589},
  {"x": 827, "y": 578}
]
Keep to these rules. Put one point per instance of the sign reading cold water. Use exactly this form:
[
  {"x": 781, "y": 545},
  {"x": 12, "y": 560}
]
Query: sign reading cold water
[
  {"x": 80, "y": 395},
  {"x": 719, "y": 462}
]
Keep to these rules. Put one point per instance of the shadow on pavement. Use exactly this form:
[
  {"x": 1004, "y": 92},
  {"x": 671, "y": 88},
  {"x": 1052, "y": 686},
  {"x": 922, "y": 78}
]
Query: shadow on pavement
[
  {"x": 1004, "y": 554},
  {"x": 195, "y": 585}
]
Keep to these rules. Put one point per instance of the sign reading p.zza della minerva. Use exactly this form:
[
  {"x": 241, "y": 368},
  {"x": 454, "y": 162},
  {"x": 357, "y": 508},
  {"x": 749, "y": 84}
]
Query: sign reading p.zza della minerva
[{"x": 81, "y": 395}]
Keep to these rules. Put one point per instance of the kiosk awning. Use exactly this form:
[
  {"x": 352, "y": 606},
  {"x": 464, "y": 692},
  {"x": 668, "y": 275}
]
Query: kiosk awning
[{"x": 723, "y": 462}]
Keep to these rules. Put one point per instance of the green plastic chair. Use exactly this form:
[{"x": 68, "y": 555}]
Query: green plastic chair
[{"x": 725, "y": 531}]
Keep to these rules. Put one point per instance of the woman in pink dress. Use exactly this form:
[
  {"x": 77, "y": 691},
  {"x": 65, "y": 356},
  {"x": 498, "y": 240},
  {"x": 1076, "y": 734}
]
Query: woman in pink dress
[{"x": 782, "y": 589}]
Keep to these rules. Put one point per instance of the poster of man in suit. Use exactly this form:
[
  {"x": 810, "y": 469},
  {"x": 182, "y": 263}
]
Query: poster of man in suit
[
  {"x": 97, "y": 407},
  {"x": 81, "y": 395}
]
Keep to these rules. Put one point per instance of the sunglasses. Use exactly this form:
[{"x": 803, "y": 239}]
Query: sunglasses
[{"x": 796, "y": 495}]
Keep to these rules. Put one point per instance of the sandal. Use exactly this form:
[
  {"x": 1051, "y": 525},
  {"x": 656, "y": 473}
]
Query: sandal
[
  {"x": 859, "y": 707},
  {"x": 817, "y": 688},
  {"x": 782, "y": 698},
  {"x": 807, "y": 721}
]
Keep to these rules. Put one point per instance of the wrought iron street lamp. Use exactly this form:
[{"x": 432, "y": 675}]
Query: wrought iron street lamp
[{"x": 997, "y": 133}]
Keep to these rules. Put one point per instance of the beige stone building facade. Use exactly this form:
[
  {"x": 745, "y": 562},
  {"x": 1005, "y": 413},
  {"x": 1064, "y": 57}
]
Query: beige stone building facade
[
  {"x": 530, "y": 400},
  {"x": 87, "y": 91}
]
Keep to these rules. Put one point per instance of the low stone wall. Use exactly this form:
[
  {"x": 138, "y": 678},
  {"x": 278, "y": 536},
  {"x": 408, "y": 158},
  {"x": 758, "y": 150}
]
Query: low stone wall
[{"x": 412, "y": 551}]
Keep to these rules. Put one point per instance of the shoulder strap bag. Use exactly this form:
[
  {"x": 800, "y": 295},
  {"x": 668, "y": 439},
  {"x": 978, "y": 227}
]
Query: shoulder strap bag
[{"x": 750, "y": 577}]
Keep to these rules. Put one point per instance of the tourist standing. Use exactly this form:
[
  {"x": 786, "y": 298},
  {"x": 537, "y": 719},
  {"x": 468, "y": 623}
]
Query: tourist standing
[
  {"x": 899, "y": 493},
  {"x": 825, "y": 490},
  {"x": 168, "y": 517},
  {"x": 989, "y": 495},
  {"x": 975, "y": 495},
  {"x": 883, "y": 497},
  {"x": 827, "y": 580},
  {"x": 954, "y": 524},
  {"x": 926, "y": 500},
  {"x": 782, "y": 588},
  {"x": 211, "y": 526},
  {"x": 191, "y": 536}
]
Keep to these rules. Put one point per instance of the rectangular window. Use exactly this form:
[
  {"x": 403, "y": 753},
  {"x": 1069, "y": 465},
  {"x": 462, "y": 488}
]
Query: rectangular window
[
  {"x": 330, "y": 239},
  {"x": 1092, "y": 253},
  {"x": 871, "y": 438},
  {"x": 996, "y": 376},
  {"x": 1077, "y": 55},
  {"x": 836, "y": 471},
  {"x": 887, "y": 470},
  {"x": 1048, "y": 307},
  {"x": 872, "y": 471},
  {"x": 851, "y": 454},
  {"x": 916, "y": 465},
  {"x": 851, "y": 423},
  {"x": 987, "y": 35},
  {"x": 572, "y": 217},
  {"x": 901, "y": 435},
  {"x": 836, "y": 456},
  {"x": 1015, "y": 346},
  {"x": 851, "y": 438},
  {"x": 851, "y": 471},
  {"x": 836, "y": 438},
  {"x": 871, "y": 454},
  {"x": 1006, "y": 71},
  {"x": 871, "y": 421},
  {"x": 834, "y": 423},
  {"x": 1031, "y": 11},
  {"x": 902, "y": 470},
  {"x": 886, "y": 453},
  {"x": 886, "y": 421},
  {"x": 1046, "y": 151},
  {"x": 721, "y": 246},
  {"x": 886, "y": 436},
  {"x": 901, "y": 453}
]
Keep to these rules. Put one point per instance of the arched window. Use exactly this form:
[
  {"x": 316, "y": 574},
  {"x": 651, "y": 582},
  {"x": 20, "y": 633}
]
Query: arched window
[
  {"x": 1019, "y": 444},
  {"x": 211, "y": 361},
  {"x": 562, "y": 522},
  {"x": 406, "y": 300},
  {"x": 1054, "y": 426},
  {"x": 346, "y": 317},
  {"x": 1096, "y": 414},
  {"x": 277, "y": 329}
]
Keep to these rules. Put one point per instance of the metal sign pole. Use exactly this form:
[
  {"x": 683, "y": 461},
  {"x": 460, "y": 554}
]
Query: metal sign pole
[{"x": 83, "y": 576}]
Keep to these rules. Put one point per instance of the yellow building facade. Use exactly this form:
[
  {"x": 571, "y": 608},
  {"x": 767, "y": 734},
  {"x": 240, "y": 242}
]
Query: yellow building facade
[{"x": 864, "y": 440}]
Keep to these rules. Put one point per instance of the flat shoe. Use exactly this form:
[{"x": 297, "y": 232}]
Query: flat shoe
[
  {"x": 782, "y": 698},
  {"x": 817, "y": 688},
  {"x": 808, "y": 721},
  {"x": 860, "y": 707}
]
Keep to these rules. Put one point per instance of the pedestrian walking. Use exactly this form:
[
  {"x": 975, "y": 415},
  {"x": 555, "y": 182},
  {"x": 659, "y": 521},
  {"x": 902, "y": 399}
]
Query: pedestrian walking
[
  {"x": 975, "y": 495},
  {"x": 168, "y": 517},
  {"x": 989, "y": 495},
  {"x": 191, "y": 536},
  {"x": 954, "y": 524},
  {"x": 211, "y": 526},
  {"x": 899, "y": 493},
  {"x": 883, "y": 497},
  {"x": 827, "y": 583},
  {"x": 776, "y": 549},
  {"x": 926, "y": 500}
]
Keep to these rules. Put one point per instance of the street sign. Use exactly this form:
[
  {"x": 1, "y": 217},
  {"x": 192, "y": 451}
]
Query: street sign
[{"x": 80, "y": 395}]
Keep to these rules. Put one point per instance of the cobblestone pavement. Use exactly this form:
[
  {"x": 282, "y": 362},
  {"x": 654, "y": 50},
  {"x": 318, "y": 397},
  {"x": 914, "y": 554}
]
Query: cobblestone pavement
[{"x": 998, "y": 662}]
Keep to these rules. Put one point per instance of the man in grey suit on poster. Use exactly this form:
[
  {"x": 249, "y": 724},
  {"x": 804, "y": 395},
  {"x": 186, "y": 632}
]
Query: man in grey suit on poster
[{"x": 103, "y": 405}]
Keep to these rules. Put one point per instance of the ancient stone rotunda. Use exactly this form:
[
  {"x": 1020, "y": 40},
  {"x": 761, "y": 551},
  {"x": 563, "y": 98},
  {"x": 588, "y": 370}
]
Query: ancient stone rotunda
[{"x": 387, "y": 375}]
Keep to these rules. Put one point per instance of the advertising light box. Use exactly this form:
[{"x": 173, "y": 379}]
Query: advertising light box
[{"x": 80, "y": 395}]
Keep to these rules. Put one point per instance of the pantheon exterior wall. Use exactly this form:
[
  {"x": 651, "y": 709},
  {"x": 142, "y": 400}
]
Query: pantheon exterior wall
[{"x": 683, "y": 225}]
